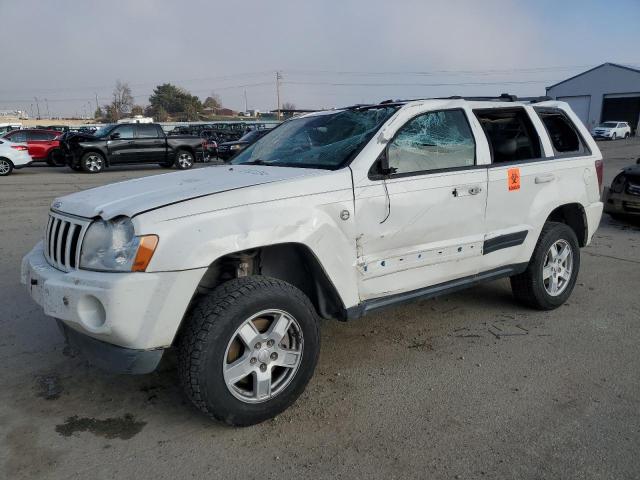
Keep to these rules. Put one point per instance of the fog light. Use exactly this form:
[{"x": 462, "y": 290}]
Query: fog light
[{"x": 91, "y": 312}]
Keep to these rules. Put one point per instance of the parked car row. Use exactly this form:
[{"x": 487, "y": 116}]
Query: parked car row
[
  {"x": 124, "y": 143},
  {"x": 43, "y": 145}
]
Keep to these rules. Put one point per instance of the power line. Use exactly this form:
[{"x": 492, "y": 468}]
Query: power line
[{"x": 441, "y": 84}]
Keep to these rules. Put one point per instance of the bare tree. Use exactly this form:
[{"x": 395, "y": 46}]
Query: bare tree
[
  {"x": 288, "y": 106},
  {"x": 122, "y": 100},
  {"x": 213, "y": 101}
]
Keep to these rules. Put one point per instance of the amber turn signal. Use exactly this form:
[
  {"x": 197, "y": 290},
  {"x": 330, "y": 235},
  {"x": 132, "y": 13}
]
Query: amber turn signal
[{"x": 148, "y": 244}]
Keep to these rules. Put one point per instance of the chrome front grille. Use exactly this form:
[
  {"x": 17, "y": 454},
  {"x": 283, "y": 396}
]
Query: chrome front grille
[{"x": 62, "y": 240}]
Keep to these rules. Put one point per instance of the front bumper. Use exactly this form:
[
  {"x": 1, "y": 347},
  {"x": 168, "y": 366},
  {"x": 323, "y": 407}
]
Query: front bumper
[
  {"x": 621, "y": 203},
  {"x": 131, "y": 311}
]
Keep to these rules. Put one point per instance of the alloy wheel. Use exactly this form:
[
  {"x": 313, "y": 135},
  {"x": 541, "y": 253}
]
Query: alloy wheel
[
  {"x": 263, "y": 356},
  {"x": 93, "y": 163},
  {"x": 185, "y": 160},
  {"x": 557, "y": 268},
  {"x": 5, "y": 167}
]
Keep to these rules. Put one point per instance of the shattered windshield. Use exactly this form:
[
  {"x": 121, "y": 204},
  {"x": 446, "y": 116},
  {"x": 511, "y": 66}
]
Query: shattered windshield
[{"x": 327, "y": 140}]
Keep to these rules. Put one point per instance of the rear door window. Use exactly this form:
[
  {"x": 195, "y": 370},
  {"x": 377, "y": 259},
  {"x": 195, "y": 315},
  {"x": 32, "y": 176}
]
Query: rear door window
[
  {"x": 39, "y": 136},
  {"x": 563, "y": 134},
  {"x": 147, "y": 131},
  {"x": 511, "y": 135},
  {"x": 19, "y": 137}
]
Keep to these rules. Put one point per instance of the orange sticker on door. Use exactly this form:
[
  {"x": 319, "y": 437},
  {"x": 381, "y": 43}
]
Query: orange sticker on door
[{"x": 513, "y": 179}]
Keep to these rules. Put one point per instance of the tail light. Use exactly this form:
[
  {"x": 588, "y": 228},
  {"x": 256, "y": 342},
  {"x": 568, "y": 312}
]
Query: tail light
[
  {"x": 599, "y": 172},
  {"x": 22, "y": 148}
]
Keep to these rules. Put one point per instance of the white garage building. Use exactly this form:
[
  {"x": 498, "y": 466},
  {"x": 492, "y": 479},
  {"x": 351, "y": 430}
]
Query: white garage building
[{"x": 607, "y": 92}]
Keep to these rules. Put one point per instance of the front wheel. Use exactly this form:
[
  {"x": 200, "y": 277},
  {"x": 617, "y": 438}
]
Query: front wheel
[
  {"x": 553, "y": 269},
  {"x": 55, "y": 158},
  {"x": 92, "y": 162},
  {"x": 248, "y": 349},
  {"x": 614, "y": 136},
  {"x": 6, "y": 167},
  {"x": 184, "y": 160}
]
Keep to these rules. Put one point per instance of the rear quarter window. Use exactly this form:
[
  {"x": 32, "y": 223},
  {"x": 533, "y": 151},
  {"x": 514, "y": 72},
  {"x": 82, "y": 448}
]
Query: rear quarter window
[{"x": 564, "y": 136}]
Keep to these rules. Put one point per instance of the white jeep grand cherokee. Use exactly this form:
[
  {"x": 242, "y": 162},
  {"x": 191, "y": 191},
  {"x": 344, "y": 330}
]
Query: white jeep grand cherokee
[{"x": 334, "y": 214}]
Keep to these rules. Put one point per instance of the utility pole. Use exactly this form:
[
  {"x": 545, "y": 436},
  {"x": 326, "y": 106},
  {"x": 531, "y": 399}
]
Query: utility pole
[
  {"x": 245, "y": 100},
  {"x": 278, "y": 78},
  {"x": 97, "y": 107},
  {"x": 47, "y": 103},
  {"x": 37, "y": 106}
]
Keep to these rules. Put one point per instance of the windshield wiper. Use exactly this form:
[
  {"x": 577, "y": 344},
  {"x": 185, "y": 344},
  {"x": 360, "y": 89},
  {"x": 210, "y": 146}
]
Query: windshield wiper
[{"x": 257, "y": 161}]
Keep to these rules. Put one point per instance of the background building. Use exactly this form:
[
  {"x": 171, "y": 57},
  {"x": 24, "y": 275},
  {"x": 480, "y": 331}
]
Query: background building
[{"x": 607, "y": 92}]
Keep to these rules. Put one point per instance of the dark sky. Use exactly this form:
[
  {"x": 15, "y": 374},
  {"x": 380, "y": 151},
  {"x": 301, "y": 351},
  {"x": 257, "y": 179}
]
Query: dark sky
[{"x": 331, "y": 53}]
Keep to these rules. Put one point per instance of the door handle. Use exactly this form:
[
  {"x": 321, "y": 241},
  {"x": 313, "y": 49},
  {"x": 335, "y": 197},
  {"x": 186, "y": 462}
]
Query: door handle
[
  {"x": 457, "y": 192},
  {"x": 545, "y": 178}
]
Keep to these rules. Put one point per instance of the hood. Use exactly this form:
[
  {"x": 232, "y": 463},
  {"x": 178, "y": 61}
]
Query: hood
[
  {"x": 143, "y": 194},
  {"x": 632, "y": 171}
]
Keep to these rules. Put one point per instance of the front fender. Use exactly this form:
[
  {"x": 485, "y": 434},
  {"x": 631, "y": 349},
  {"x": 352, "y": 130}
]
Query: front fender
[{"x": 314, "y": 220}]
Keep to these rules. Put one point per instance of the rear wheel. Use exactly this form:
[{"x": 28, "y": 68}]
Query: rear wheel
[
  {"x": 92, "y": 162},
  {"x": 6, "y": 167},
  {"x": 626, "y": 135},
  {"x": 248, "y": 349},
  {"x": 553, "y": 269},
  {"x": 184, "y": 160}
]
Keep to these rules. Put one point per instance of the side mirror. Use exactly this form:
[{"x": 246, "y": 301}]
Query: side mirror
[{"x": 114, "y": 136}]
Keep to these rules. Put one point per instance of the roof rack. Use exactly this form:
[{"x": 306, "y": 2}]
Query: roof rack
[{"x": 504, "y": 97}]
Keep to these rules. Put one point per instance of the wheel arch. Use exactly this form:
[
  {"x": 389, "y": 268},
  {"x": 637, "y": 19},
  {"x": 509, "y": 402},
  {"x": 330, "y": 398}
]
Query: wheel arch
[
  {"x": 293, "y": 263},
  {"x": 573, "y": 215}
]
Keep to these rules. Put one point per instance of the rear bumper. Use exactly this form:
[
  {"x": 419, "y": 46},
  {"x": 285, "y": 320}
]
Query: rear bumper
[
  {"x": 593, "y": 213},
  {"x": 18, "y": 167}
]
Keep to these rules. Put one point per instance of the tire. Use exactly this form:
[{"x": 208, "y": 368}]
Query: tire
[
  {"x": 210, "y": 338},
  {"x": 534, "y": 287},
  {"x": 626, "y": 135},
  {"x": 614, "y": 136},
  {"x": 184, "y": 160},
  {"x": 6, "y": 167},
  {"x": 55, "y": 158},
  {"x": 92, "y": 162}
]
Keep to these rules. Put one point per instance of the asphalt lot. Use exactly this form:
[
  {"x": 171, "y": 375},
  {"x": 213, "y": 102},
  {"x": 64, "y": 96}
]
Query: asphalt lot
[{"x": 465, "y": 386}]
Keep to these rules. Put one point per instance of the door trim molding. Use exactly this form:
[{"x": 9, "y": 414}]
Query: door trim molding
[
  {"x": 380, "y": 303},
  {"x": 504, "y": 241}
]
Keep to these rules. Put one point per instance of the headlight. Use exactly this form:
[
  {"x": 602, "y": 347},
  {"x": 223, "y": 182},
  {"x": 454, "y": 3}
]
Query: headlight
[
  {"x": 234, "y": 147},
  {"x": 618, "y": 183},
  {"x": 112, "y": 246}
]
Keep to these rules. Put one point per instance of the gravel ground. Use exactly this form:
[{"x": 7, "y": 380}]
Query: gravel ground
[{"x": 465, "y": 386}]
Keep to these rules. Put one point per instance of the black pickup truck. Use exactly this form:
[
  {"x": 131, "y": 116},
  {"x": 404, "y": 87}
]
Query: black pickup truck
[{"x": 127, "y": 143}]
